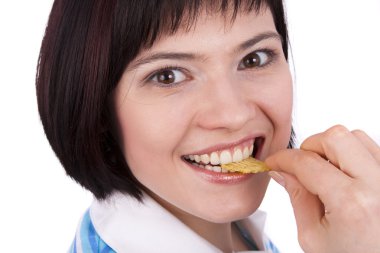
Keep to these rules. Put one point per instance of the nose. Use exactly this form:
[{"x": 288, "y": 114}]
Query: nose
[{"x": 225, "y": 105}]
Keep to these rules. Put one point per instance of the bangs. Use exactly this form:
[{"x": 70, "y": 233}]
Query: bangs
[
  {"x": 138, "y": 24},
  {"x": 168, "y": 16}
]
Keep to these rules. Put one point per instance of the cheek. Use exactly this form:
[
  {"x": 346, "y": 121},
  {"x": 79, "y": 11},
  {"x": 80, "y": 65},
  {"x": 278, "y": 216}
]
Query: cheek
[
  {"x": 281, "y": 104},
  {"x": 150, "y": 134},
  {"x": 283, "y": 111},
  {"x": 277, "y": 104}
]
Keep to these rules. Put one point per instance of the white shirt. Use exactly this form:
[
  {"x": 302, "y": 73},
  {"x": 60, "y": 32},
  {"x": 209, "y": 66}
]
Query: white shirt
[{"x": 129, "y": 226}]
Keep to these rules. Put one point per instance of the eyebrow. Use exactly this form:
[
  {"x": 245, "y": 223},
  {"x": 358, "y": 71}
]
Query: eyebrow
[
  {"x": 256, "y": 39},
  {"x": 163, "y": 56},
  {"x": 192, "y": 56}
]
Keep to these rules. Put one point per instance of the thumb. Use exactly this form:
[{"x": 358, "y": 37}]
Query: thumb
[{"x": 308, "y": 209}]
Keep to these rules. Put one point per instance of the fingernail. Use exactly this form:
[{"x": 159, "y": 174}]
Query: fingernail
[{"x": 277, "y": 177}]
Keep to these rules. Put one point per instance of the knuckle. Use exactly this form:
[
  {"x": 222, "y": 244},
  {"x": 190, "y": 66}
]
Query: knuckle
[
  {"x": 304, "y": 145},
  {"x": 334, "y": 135},
  {"x": 336, "y": 131},
  {"x": 358, "y": 132}
]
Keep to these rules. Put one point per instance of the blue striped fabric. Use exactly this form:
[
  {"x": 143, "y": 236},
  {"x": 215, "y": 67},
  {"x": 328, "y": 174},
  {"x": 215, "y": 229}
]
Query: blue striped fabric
[
  {"x": 89, "y": 241},
  {"x": 270, "y": 246}
]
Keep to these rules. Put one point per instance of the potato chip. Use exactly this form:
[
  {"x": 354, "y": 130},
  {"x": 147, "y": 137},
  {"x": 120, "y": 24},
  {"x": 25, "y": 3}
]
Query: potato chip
[{"x": 249, "y": 165}]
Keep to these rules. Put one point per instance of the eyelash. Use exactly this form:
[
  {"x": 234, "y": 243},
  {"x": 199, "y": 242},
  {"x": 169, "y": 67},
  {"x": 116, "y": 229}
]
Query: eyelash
[
  {"x": 150, "y": 77},
  {"x": 271, "y": 54}
]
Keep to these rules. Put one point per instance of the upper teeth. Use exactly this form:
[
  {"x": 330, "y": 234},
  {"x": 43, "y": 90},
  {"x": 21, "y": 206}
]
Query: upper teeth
[{"x": 224, "y": 156}]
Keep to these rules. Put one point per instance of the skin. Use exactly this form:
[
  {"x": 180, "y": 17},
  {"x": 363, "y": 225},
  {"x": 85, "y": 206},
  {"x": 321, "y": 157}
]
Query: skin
[
  {"x": 216, "y": 102},
  {"x": 332, "y": 180},
  {"x": 333, "y": 183}
]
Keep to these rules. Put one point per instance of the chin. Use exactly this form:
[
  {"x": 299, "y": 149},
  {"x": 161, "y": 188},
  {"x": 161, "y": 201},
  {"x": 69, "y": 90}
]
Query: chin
[
  {"x": 232, "y": 207},
  {"x": 232, "y": 213}
]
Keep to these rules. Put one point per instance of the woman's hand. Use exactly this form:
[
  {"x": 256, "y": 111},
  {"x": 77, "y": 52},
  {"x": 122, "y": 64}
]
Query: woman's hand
[{"x": 333, "y": 182}]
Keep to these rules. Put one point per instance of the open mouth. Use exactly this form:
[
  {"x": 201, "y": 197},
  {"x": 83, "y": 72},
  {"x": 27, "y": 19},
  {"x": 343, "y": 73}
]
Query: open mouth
[{"x": 212, "y": 161}]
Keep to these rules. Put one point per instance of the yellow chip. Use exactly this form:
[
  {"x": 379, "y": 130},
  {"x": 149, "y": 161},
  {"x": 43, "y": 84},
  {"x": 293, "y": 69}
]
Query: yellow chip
[{"x": 249, "y": 165}]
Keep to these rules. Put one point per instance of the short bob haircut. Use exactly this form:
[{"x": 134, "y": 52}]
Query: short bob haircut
[{"x": 86, "y": 47}]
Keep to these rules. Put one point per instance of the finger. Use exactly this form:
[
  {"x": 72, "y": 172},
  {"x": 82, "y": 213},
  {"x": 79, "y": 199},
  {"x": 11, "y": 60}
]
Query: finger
[
  {"x": 308, "y": 209},
  {"x": 369, "y": 143},
  {"x": 317, "y": 175},
  {"x": 343, "y": 150}
]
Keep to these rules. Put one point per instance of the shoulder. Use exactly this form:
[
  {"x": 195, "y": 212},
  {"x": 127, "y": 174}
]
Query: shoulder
[{"x": 87, "y": 240}]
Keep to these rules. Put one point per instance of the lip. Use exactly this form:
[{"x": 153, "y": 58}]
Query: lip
[
  {"x": 226, "y": 178},
  {"x": 218, "y": 177},
  {"x": 224, "y": 146}
]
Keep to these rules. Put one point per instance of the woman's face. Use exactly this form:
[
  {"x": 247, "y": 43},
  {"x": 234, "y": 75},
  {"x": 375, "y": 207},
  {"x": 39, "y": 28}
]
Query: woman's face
[{"x": 205, "y": 96}]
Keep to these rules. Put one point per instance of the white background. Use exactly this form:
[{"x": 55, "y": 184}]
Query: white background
[{"x": 336, "y": 56}]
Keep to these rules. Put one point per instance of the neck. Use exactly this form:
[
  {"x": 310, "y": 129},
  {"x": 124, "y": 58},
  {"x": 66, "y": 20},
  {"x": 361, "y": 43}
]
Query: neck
[
  {"x": 222, "y": 235},
  {"x": 218, "y": 234}
]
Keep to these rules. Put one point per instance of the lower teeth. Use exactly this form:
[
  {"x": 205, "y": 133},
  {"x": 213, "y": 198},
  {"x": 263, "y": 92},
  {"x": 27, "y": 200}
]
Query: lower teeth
[{"x": 211, "y": 168}]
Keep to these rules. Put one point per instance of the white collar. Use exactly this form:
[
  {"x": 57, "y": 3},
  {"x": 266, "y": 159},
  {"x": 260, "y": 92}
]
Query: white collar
[{"x": 129, "y": 226}]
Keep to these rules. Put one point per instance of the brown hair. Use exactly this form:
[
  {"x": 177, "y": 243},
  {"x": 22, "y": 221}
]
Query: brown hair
[{"x": 86, "y": 47}]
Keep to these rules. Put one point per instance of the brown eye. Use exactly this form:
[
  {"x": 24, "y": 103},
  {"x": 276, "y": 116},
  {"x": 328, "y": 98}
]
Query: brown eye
[
  {"x": 168, "y": 76},
  {"x": 255, "y": 60}
]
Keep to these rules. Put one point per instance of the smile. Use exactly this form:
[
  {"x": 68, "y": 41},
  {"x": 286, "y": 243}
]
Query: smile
[{"x": 212, "y": 161}]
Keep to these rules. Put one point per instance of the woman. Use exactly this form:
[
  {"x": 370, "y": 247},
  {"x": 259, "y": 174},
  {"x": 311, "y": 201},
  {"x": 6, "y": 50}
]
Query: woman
[{"x": 143, "y": 100}]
